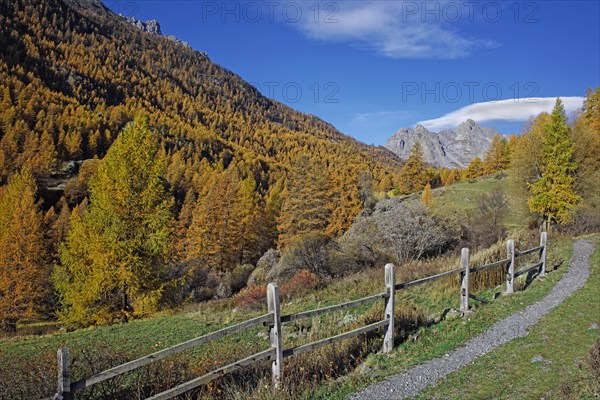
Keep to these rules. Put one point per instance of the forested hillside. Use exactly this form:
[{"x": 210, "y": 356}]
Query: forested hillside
[
  {"x": 136, "y": 175},
  {"x": 73, "y": 75}
]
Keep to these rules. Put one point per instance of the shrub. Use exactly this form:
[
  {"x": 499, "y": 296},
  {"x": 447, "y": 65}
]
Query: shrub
[
  {"x": 307, "y": 252},
  {"x": 238, "y": 278},
  {"x": 345, "y": 257},
  {"x": 301, "y": 283},
  {"x": 593, "y": 361},
  {"x": 252, "y": 296},
  {"x": 486, "y": 225},
  {"x": 400, "y": 231},
  {"x": 585, "y": 219}
]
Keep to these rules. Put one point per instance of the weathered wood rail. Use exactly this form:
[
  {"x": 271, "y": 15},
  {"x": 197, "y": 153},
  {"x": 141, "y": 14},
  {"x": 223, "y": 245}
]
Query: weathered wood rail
[{"x": 273, "y": 320}]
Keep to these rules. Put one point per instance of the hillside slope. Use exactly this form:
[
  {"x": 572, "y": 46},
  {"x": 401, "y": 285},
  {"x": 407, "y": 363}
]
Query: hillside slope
[{"x": 72, "y": 74}]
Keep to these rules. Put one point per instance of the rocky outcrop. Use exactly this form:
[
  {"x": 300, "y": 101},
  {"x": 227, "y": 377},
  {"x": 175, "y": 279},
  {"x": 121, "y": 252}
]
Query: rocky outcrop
[
  {"x": 153, "y": 27},
  {"x": 448, "y": 148}
]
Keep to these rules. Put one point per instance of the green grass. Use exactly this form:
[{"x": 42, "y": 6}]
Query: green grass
[
  {"x": 560, "y": 341},
  {"x": 137, "y": 338},
  {"x": 446, "y": 336},
  {"x": 462, "y": 196}
]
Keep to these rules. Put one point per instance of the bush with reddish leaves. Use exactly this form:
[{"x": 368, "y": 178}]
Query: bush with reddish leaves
[
  {"x": 253, "y": 296},
  {"x": 301, "y": 283}
]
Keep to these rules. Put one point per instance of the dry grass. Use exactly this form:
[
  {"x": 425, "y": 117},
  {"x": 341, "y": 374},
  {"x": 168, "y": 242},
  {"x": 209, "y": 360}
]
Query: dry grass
[{"x": 414, "y": 309}]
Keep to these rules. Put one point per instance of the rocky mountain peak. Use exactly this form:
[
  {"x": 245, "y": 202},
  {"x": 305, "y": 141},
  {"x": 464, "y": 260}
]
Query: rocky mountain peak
[
  {"x": 448, "y": 148},
  {"x": 469, "y": 123},
  {"x": 420, "y": 129}
]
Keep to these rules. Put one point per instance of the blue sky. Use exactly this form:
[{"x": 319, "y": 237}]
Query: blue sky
[{"x": 372, "y": 67}]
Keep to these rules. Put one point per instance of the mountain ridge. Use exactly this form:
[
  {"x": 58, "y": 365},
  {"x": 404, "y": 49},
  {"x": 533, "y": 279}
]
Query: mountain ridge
[{"x": 448, "y": 148}]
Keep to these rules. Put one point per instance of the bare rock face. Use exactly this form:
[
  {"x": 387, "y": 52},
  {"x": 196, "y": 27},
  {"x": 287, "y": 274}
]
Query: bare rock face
[
  {"x": 152, "y": 26},
  {"x": 448, "y": 148}
]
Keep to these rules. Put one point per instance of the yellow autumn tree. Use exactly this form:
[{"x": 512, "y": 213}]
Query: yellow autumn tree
[
  {"x": 413, "y": 175},
  {"x": 475, "y": 169},
  {"x": 225, "y": 228},
  {"x": 586, "y": 140},
  {"x": 426, "y": 195},
  {"x": 553, "y": 195},
  {"x": 112, "y": 261},
  {"x": 526, "y": 157},
  {"x": 24, "y": 271},
  {"x": 304, "y": 208},
  {"x": 497, "y": 156}
]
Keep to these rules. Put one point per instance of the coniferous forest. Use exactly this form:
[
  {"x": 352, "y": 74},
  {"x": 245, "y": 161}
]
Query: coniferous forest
[{"x": 137, "y": 175}]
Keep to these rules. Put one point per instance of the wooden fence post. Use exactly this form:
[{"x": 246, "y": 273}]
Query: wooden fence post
[
  {"x": 275, "y": 333},
  {"x": 510, "y": 275},
  {"x": 63, "y": 391},
  {"x": 390, "y": 282},
  {"x": 543, "y": 253},
  {"x": 464, "y": 287}
]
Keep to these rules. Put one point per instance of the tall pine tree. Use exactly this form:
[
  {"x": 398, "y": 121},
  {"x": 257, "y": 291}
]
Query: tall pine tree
[
  {"x": 304, "y": 209},
  {"x": 553, "y": 195},
  {"x": 497, "y": 156},
  {"x": 413, "y": 175},
  {"x": 24, "y": 271},
  {"x": 111, "y": 264}
]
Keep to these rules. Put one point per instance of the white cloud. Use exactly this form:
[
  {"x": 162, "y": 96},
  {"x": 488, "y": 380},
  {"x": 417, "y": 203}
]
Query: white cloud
[
  {"x": 392, "y": 28},
  {"x": 502, "y": 111}
]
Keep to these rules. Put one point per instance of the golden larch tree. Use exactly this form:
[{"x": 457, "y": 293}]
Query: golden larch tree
[
  {"x": 24, "y": 271},
  {"x": 113, "y": 258}
]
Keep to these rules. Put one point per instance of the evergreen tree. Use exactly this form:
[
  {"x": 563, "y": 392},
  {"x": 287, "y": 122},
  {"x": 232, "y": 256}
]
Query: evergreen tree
[
  {"x": 413, "y": 175},
  {"x": 225, "y": 229},
  {"x": 497, "y": 156},
  {"x": 111, "y": 264},
  {"x": 474, "y": 169},
  {"x": 426, "y": 195},
  {"x": 304, "y": 209},
  {"x": 526, "y": 157},
  {"x": 553, "y": 195},
  {"x": 586, "y": 139},
  {"x": 24, "y": 271}
]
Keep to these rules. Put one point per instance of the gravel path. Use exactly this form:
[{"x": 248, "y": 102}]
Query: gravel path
[{"x": 411, "y": 382}]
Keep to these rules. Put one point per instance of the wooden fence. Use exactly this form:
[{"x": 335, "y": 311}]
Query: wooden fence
[{"x": 273, "y": 320}]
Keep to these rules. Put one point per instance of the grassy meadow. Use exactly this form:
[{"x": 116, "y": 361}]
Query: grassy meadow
[{"x": 27, "y": 364}]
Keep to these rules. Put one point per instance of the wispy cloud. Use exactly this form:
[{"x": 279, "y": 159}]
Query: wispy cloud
[
  {"x": 502, "y": 111},
  {"x": 393, "y": 29}
]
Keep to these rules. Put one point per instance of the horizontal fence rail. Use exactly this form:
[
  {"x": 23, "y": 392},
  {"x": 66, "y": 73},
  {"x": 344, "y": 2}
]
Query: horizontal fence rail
[
  {"x": 490, "y": 265},
  {"x": 159, "y": 355},
  {"x": 346, "y": 335},
  {"x": 273, "y": 320},
  {"x": 529, "y": 251},
  {"x": 329, "y": 309},
  {"x": 194, "y": 383},
  {"x": 428, "y": 279},
  {"x": 528, "y": 269}
]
